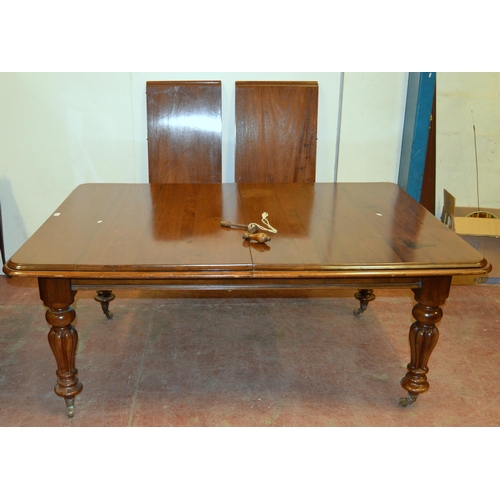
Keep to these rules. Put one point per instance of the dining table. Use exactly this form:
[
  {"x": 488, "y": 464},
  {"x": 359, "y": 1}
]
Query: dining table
[{"x": 254, "y": 238}]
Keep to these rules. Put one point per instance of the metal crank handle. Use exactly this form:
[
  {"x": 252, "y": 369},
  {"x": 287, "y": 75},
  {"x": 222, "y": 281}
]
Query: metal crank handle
[
  {"x": 251, "y": 228},
  {"x": 258, "y": 237},
  {"x": 226, "y": 223}
]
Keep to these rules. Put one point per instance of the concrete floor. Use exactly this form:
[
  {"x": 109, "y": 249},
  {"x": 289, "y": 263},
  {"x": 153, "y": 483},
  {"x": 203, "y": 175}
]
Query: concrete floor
[{"x": 282, "y": 362}]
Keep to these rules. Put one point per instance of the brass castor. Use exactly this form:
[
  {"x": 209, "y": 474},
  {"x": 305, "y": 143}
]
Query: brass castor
[
  {"x": 404, "y": 402},
  {"x": 359, "y": 310},
  {"x": 364, "y": 296},
  {"x": 70, "y": 407},
  {"x": 105, "y": 297}
]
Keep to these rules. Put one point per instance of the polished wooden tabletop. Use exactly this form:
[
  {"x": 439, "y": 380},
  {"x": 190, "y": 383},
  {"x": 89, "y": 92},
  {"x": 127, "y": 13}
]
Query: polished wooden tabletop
[
  {"x": 170, "y": 236},
  {"x": 162, "y": 230}
]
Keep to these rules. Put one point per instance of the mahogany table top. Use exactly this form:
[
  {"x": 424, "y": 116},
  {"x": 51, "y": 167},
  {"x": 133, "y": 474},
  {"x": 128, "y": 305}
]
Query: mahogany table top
[{"x": 151, "y": 231}]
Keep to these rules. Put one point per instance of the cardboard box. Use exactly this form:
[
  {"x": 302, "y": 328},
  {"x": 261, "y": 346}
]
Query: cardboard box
[{"x": 481, "y": 232}]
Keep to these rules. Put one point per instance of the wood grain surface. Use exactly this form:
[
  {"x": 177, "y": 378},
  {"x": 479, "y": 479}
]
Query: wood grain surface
[
  {"x": 276, "y": 131},
  {"x": 141, "y": 230},
  {"x": 184, "y": 131}
]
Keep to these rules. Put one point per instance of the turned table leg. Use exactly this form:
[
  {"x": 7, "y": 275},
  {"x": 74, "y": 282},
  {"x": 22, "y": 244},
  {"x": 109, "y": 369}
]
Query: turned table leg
[
  {"x": 57, "y": 295},
  {"x": 424, "y": 335}
]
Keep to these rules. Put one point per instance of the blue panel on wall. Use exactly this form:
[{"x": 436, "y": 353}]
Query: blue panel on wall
[{"x": 418, "y": 111}]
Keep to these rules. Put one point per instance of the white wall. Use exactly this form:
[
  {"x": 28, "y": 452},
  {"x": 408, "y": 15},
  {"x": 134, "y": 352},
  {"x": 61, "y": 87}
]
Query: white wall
[
  {"x": 372, "y": 124},
  {"x": 464, "y": 100},
  {"x": 59, "y": 130}
]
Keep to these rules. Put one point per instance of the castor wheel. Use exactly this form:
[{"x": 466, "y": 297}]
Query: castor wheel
[
  {"x": 70, "y": 406},
  {"x": 105, "y": 297},
  {"x": 364, "y": 296},
  {"x": 359, "y": 310},
  {"x": 106, "y": 311},
  {"x": 404, "y": 402}
]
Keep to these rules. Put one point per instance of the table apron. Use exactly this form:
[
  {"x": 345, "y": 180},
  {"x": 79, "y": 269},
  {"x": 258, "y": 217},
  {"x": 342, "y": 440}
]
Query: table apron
[{"x": 247, "y": 284}]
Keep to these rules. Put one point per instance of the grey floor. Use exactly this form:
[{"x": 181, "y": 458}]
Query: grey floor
[
  {"x": 297, "y": 398},
  {"x": 280, "y": 362}
]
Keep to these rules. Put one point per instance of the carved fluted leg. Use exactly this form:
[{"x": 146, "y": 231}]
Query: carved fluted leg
[
  {"x": 63, "y": 337},
  {"x": 364, "y": 296},
  {"x": 424, "y": 335},
  {"x": 105, "y": 297}
]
